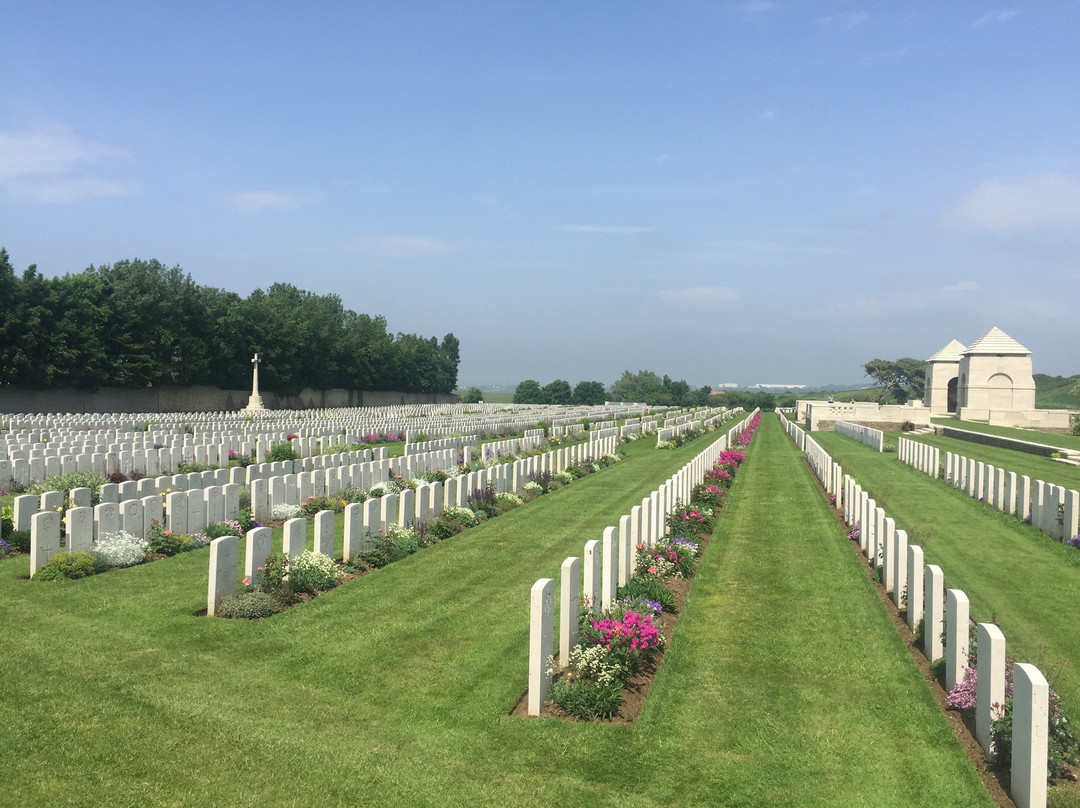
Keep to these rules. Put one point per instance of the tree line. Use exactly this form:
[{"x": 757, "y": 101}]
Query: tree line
[
  {"x": 140, "y": 324},
  {"x": 643, "y": 386}
]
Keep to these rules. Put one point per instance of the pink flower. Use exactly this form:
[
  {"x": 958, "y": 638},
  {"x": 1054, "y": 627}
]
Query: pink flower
[{"x": 247, "y": 581}]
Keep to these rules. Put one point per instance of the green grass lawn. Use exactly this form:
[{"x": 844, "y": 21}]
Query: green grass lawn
[
  {"x": 785, "y": 683},
  {"x": 1028, "y": 582},
  {"x": 1030, "y": 435},
  {"x": 1023, "y": 463}
]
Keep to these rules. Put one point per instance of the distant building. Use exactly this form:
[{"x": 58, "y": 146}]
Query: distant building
[
  {"x": 726, "y": 386},
  {"x": 778, "y": 386}
]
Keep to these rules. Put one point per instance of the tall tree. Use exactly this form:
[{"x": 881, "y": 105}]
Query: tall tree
[
  {"x": 528, "y": 392},
  {"x": 900, "y": 380},
  {"x": 589, "y": 393}
]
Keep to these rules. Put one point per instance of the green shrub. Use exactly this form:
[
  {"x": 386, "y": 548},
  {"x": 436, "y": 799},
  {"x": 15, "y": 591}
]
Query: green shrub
[
  {"x": 650, "y": 589},
  {"x": 19, "y": 540},
  {"x": 65, "y": 566},
  {"x": 248, "y": 606},
  {"x": 587, "y": 700},
  {"x": 215, "y": 530},
  {"x": 312, "y": 572},
  {"x": 75, "y": 479},
  {"x": 165, "y": 542},
  {"x": 280, "y": 452}
]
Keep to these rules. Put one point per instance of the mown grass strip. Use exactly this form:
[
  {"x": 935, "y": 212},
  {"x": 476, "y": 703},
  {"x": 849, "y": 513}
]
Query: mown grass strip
[
  {"x": 786, "y": 680},
  {"x": 1029, "y": 435},
  {"x": 1012, "y": 572}
]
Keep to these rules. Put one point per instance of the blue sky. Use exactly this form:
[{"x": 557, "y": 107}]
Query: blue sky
[{"x": 720, "y": 191}]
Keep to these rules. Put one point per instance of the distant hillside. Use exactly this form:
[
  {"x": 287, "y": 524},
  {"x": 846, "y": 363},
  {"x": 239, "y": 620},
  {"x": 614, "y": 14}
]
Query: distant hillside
[{"x": 1053, "y": 392}]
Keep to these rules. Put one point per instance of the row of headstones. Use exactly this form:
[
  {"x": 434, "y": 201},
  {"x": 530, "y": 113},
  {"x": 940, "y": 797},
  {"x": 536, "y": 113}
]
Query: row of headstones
[
  {"x": 920, "y": 456},
  {"x": 920, "y": 589},
  {"x": 182, "y": 512},
  {"x": 669, "y": 432},
  {"x": 868, "y": 436},
  {"x": 608, "y": 564},
  {"x": 393, "y": 418},
  {"x": 365, "y": 521},
  {"x": 945, "y": 616},
  {"x": 1054, "y": 509}
]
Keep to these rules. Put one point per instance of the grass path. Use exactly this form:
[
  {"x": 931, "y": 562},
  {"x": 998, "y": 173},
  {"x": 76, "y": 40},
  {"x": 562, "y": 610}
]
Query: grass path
[
  {"x": 1011, "y": 571},
  {"x": 779, "y": 688}
]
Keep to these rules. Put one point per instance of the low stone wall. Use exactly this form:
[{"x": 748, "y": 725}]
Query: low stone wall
[
  {"x": 198, "y": 399},
  {"x": 999, "y": 442}
]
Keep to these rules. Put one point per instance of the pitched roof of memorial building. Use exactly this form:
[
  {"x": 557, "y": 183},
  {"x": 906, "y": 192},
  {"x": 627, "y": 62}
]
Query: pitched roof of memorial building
[
  {"x": 996, "y": 341},
  {"x": 950, "y": 353}
]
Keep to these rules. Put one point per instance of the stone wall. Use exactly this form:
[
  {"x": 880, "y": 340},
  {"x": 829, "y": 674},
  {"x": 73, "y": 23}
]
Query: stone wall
[
  {"x": 197, "y": 399},
  {"x": 998, "y": 441}
]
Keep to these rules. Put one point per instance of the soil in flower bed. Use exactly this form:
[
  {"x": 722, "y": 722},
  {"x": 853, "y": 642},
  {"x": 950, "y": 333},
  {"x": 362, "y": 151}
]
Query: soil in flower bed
[{"x": 638, "y": 687}]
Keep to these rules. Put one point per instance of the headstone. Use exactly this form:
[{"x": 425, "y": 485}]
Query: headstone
[
  {"x": 80, "y": 529},
  {"x": 1031, "y": 696},
  {"x": 224, "y": 558},
  {"x": 610, "y": 571},
  {"x": 569, "y": 606},
  {"x": 106, "y": 519},
  {"x": 957, "y": 610},
  {"x": 989, "y": 684},
  {"x": 23, "y": 508},
  {"x": 354, "y": 530},
  {"x": 256, "y": 550},
  {"x": 593, "y": 571},
  {"x": 215, "y": 504},
  {"x": 152, "y": 511},
  {"x": 324, "y": 533},
  {"x": 541, "y": 635},
  {"x": 44, "y": 539},
  {"x": 294, "y": 537},
  {"x": 176, "y": 512},
  {"x": 933, "y": 604}
]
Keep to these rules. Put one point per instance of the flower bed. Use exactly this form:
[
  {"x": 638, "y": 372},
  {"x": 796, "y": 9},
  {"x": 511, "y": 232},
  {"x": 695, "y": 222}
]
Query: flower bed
[{"x": 610, "y": 669}]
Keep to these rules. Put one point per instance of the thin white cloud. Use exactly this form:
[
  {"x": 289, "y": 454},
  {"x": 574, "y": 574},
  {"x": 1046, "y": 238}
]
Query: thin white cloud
[
  {"x": 1029, "y": 202},
  {"x": 701, "y": 296},
  {"x": 995, "y": 17},
  {"x": 843, "y": 21},
  {"x": 613, "y": 229},
  {"x": 960, "y": 286},
  {"x": 49, "y": 164},
  {"x": 65, "y": 190},
  {"x": 393, "y": 246},
  {"x": 255, "y": 201},
  {"x": 768, "y": 114}
]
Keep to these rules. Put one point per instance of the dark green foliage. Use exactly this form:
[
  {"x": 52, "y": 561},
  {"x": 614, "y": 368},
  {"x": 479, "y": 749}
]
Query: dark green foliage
[
  {"x": 19, "y": 540},
  {"x": 215, "y": 530},
  {"x": 647, "y": 387},
  {"x": 159, "y": 540},
  {"x": 557, "y": 392},
  {"x": 586, "y": 393},
  {"x": 472, "y": 396},
  {"x": 281, "y": 452},
  {"x": 528, "y": 392},
  {"x": 65, "y": 566},
  {"x": 899, "y": 380},
  {"x": 651, "y": 589},
  {"x": 248, "y": 606},
  {"x": 587, "y": 700},
  {"x": 141, "y": 324}
]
